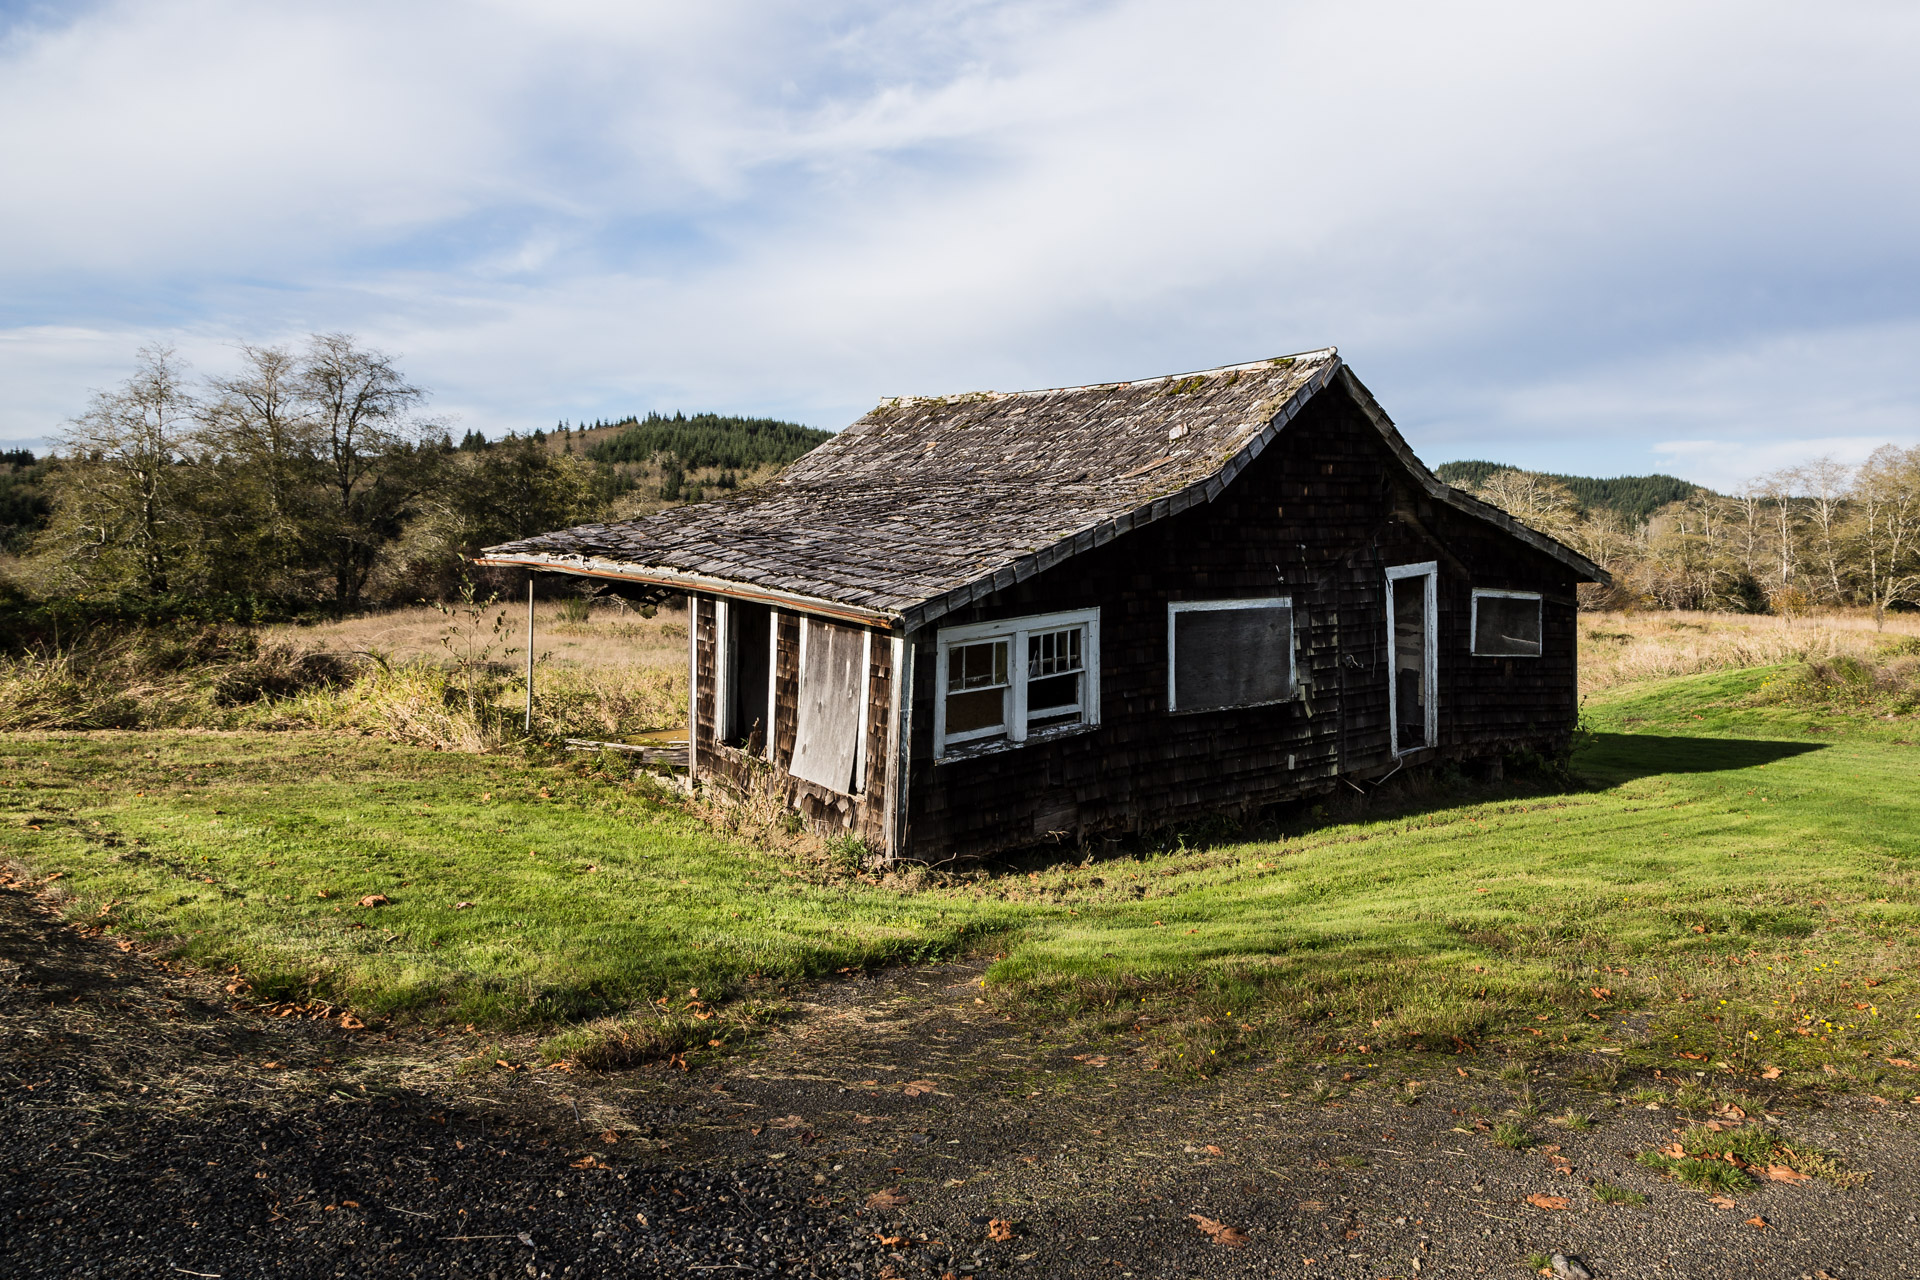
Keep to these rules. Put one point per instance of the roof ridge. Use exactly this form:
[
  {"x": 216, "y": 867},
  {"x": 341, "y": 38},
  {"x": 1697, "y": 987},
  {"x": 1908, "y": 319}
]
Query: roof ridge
[{"x": 1268, "y": 362}]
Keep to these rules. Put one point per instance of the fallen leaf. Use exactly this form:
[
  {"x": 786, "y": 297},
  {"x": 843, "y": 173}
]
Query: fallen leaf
[
  {"x": 588, "y": 1161},
  {"x": 1673, "y": 1149},
  {"x": 1000, "y": 1229},
  {"x": 1547, "y": 1202},
  {"x": 1771, "y": 1073},
  {"x": 1732, "y": 1111},
  {"x": 375, "y": 900},
  {"x": 1232, "y": 1237},
  {"x": 891, "y": 1242},
  {"x": 914, "y": 1088},
  {"x": 351, "y": 1204},
  {"x": 1757, "y": 1222},
  {"x": 123, "y": 944},
  {"x": 1781, "y": 1173},
  {"x": 350, "y": 1023},
  {"x": 1724, "y": 1202},
  {"x": 1214, "y": 1151},
  {"x": 609, "y": 1137},
  {"x": 887, "y": 1198},
  {"x": 1899, "y": 1062},
  {"x": 270, "y": 1066}
]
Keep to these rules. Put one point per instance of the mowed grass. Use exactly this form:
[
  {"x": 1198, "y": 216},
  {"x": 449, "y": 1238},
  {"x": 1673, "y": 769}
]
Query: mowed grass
[
  {"x": 519, "y": 893},
  {"x": 1722, "y": 881},
  {"x": 1711, "y": 850}
]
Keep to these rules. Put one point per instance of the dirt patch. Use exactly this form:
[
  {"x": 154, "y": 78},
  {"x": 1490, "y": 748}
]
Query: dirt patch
[{"x": 155, "y": 1124}]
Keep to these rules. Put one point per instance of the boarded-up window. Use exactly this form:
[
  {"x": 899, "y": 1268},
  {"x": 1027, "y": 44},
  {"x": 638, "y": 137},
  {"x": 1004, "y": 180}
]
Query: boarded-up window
[
  {"x": 1229, "y": 653},
  {"x": 833, "y": 688},
  {"x": 1506, "y": 624}
]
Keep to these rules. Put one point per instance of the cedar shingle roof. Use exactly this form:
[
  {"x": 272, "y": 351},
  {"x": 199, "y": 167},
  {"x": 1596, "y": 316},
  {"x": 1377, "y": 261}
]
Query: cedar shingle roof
[{"x": 926, "y": 504}]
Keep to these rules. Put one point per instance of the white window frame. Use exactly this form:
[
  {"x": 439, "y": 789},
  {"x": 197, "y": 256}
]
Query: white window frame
[
  {"x": 1177, "y": 607},
  {"x": 1430, "y": 570},
  {"x": 1015, "y": 632},
  {"x": 1473, "y": 636}
]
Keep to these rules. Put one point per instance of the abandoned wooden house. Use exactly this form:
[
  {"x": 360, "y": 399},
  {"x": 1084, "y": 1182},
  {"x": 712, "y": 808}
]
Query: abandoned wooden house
[{"x": 975, "y": 623}]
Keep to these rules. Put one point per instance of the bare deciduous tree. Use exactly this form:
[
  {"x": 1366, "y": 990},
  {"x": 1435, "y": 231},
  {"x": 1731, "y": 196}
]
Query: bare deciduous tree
[
  {"x": 125, "y": 506},
  {"x": 368, "y": 451}
]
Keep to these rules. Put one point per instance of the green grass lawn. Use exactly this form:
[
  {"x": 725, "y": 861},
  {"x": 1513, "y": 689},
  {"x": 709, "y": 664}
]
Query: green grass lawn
[{"x": 1726, "y": 881}]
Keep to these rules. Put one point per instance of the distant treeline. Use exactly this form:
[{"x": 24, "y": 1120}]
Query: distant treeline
[
  {"x": 708, "y": 440},
  {"x": 1634, "y": 497},
  {"x": 24, "y": 504},
  {"x": 1820, "y": 534}
]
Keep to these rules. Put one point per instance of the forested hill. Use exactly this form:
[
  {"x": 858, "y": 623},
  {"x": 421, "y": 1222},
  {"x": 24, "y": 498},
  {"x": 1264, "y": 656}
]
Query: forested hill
[
  {"x": 1636, "y": 497},
  {"x": 707, "y": 440}
]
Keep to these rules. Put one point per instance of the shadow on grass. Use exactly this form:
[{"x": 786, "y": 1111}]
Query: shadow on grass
[{"x": 1636, "y": 755}]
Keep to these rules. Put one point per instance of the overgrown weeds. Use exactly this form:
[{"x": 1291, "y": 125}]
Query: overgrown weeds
[
  {"x": 227, "y": 677},
  {"x": 1885, "y": 683},
  {"x": 155, "y": 678},
  {"x": 1717, "y": 1157}
]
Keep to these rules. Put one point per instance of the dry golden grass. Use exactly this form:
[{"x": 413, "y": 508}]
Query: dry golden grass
[
  {"x": 610, "y": 637},
  {"x": 1625, "y": 648}
]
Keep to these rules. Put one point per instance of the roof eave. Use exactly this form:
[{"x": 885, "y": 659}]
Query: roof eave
[{"x": 697, "y": 583}]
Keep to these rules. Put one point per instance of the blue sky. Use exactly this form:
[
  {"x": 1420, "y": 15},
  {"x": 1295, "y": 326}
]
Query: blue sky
[{"x": 1675, "y": 236}]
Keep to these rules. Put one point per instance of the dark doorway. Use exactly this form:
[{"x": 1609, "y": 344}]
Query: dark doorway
[
  {"x": 749, "y": 642},
  {"x": 1410, "y": 622}
]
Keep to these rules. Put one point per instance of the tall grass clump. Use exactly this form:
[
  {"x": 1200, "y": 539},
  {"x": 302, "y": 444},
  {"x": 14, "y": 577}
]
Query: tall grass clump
[
  {"x": 1887, "y": 683},
  {"x": 157, "y": 678},
  {"x": 1628, "y": 648}
]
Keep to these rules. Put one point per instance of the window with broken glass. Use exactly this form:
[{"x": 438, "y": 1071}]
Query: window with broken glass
[
  {"x": 1003, "y": 682},
  {"x": 1506, "y": 624}
]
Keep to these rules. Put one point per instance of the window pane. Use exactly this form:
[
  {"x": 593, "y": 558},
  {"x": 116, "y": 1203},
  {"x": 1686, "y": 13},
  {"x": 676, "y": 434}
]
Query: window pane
[
  {"x": 983, "y": 709},
  {"x": 1506, "y": 627},
  {"x": 1054, "y": 652},
  {"x": 1045, "y": 696},
  {"x": 977, "y": 666},
  {"x": 1232, "y": 657}
]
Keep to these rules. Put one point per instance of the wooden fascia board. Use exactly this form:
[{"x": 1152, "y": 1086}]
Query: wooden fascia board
[
  {"x": 654, "y": 575},
  {"x": 1444, "y": 492}
]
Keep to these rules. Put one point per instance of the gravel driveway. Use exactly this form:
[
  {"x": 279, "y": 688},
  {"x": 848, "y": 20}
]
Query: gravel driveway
[{"x": 151, "y": 1126}]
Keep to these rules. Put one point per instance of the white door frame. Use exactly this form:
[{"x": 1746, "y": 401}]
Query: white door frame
[{"x": 1430, "y": 570}]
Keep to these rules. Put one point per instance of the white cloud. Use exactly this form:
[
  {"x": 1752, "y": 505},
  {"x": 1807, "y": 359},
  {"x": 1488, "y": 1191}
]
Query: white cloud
[{"x": 1570, "y": 235}]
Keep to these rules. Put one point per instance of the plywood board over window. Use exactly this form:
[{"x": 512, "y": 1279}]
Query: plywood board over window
[
  {"x": 1506, "y": 624},
  {"x": 1229, "y": 653},
  {"x": 833, "y": 694}
]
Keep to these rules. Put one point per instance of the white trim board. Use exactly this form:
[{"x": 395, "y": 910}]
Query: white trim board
[
  {"x": 1430, "y": 570},
  {"x": 1177, "y": 607}
]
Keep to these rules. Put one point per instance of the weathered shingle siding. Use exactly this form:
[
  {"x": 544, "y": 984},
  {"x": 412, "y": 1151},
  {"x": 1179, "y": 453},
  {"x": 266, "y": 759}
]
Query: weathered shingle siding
[{"x": 1319, "y": 517}]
